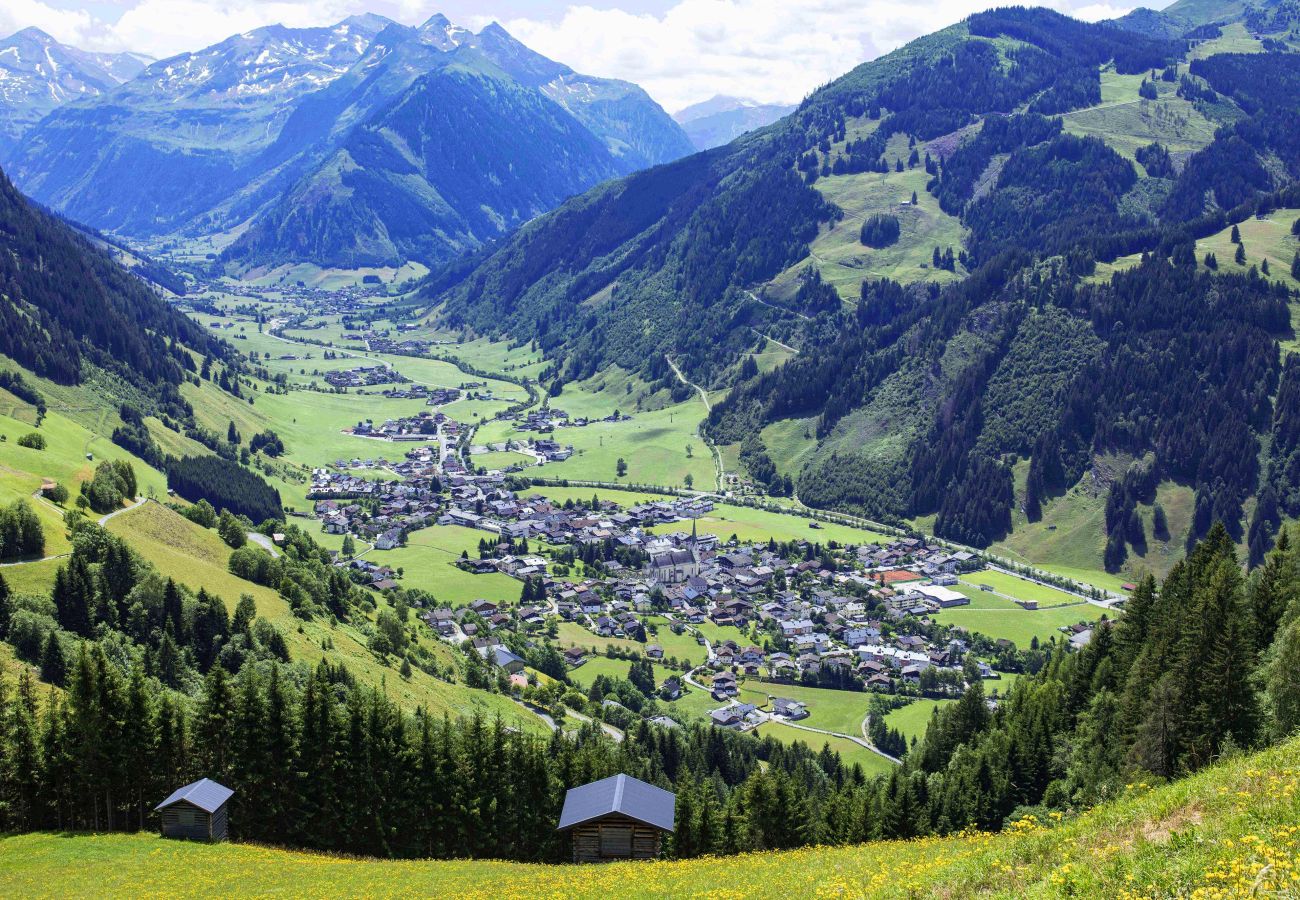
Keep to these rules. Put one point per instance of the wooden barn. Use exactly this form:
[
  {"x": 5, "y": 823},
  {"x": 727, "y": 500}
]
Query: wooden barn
[
  {"x": 617, "y": 818},
  {"x": 196, "y": 812}
]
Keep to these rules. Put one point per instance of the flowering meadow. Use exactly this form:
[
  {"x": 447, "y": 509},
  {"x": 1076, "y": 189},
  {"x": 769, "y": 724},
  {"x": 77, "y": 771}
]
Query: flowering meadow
[{"x": 1231, "y": 831}]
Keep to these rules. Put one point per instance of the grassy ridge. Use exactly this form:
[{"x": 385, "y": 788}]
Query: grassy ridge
[{"x": 1228, "y": 832}]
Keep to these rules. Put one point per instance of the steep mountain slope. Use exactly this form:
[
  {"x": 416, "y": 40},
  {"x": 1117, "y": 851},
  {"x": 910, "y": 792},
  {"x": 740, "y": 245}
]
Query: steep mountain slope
[
  {"x": 636, "y": 130},
  {"x": 256, "y": 124},
  {"x": 38, "y": 74},
  {"x": 171, "y": 148},
  {"x": 446, "y": 139},
  {"x": 720, "y": 120},
  {"x": 66, "y": 307},
  {"x": 1021, "y": 148},
  {"x": 464, "y": 155}
]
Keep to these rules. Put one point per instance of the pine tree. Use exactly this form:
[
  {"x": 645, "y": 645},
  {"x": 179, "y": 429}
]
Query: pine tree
[
  {"x": 245, "y": 613},
  {"x": 1295, "y": 265},
  {"x": 54, "y": 668},
  {"x": 214, "y": 725},
  {"x": 1274, "y": 585},
  {"x": 74, "y": 592},
  {"x": 1236, "y": 235},
  {"x": 1240, "y": 256},
  {"x": 1159, "y": 523}
]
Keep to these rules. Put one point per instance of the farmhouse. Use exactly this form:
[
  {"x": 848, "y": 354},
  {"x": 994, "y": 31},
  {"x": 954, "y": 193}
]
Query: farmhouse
[
  {"x": 196, "y": 812},
  {"x": 617, "y": 818}
]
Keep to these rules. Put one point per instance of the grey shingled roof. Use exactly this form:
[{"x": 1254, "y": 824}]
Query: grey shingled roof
[
  {"x": 619, "y": 794},
  {"x": 206, "y": 794}
]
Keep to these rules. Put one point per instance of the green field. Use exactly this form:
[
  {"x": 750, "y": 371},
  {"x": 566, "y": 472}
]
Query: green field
[
  {"x": 1171, "y": 841},
  {"x": 838, "y": 253},
  {"x": 1069, "y": 538},
  {"x": 913, "y": 719},
  {"x": 1015, "y": 588},
  {"x": 653, "y": 443},
  {"x": 829, "y": 710},
  {"x": 501, "y": 459},
  {"x": 851, "y": 752},
  {"x": 574, "y": 635},
  {"x": 996, "y": 617},
  {"x": 1269, "y": 238},
  {"x": 752, "y": 525},
  {"x": 428, "y": 561},
  {"x": 69, "y": 458},
  {"x": 1127, "y": 122}
]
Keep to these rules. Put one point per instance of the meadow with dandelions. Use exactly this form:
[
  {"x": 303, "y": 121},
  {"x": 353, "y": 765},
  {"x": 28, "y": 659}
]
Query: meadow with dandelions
[{"x": 1232, "y": 831}]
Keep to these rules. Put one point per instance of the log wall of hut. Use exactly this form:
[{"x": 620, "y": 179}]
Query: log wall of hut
[{"x": 613, "y": 838}]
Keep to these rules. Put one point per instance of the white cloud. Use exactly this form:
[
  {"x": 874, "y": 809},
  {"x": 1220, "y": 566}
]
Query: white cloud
[
  {"x": 166, "y": 27},
  {"x": 64, "y": 24},
  {"x": 768, "y": 50}
]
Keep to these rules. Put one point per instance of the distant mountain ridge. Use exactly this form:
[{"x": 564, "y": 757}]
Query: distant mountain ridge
[
  {"x": 38, "y": 74},
  {"x": 244, "y": 135},
  {"x": 721, "y": 119}
]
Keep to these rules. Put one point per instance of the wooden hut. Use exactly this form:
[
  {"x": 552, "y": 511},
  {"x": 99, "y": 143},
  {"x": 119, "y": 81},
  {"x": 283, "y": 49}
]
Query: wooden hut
[
  {"x": 196, "y": 812},
  {"x": 617, "y": 818}
]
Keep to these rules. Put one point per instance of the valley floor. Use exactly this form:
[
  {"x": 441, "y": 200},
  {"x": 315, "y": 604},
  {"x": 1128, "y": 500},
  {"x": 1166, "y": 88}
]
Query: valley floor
[{"x": 1231, "y": 831}]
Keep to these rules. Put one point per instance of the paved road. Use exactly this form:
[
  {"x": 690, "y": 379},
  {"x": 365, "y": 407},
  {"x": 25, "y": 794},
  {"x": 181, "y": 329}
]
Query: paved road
[
  {"x": 862, "y": 742},
  {"x": 264, "y": 542},
  {"x": 103, "y": 520},
  {"x": 720, "y": 472}
]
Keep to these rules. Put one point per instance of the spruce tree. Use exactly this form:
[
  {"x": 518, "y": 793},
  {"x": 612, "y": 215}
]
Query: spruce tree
[{"x": 54, "y": 668}]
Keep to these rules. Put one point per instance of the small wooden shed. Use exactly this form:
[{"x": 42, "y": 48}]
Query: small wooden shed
[
  {"x": 196, "y": 812},
  {"x": 617, "y": 818}
]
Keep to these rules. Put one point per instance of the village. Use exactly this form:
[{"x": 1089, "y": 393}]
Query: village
[{"x": 798, "y": 613}]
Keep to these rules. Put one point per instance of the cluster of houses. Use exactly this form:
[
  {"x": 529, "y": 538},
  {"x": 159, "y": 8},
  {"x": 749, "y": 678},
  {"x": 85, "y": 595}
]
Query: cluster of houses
[
  {"x": 423, "y": 426},
  {"x": 364, "y": 376},
  {"x": 397, "y": 347},
  {"x": 546, "y": 419}
]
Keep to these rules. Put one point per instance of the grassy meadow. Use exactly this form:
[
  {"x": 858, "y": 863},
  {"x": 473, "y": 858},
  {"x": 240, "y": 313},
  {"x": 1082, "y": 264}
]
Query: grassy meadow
[{"x": 1229, "y": 831}]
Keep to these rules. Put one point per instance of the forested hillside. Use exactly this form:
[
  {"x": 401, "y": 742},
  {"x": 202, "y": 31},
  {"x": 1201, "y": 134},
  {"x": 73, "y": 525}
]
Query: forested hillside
[
  {"x": 1011, "y": 141},
  {"x": 65, "y": 305},
  {"x": 463, "y": 155}
]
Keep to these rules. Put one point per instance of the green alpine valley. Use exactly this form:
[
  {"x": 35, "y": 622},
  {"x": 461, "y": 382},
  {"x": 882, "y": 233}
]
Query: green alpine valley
[{"x": 426, "y": 469}]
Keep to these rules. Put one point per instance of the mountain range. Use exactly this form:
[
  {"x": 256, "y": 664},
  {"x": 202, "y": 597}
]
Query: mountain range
[
  {"x": 721, "y": 119},
  {"x": 38, "y": 74},
  {"x": 364, "y": 143}
]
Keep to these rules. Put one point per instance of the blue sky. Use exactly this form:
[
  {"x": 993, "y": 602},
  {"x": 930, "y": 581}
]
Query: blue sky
[{"x": 681, "y": 51}]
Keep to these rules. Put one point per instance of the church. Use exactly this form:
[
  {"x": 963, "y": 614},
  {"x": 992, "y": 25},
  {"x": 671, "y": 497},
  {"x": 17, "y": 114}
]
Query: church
[{"x": 677, "y": 565}]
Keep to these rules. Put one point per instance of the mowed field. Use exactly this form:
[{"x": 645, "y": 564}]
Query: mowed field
[
  {"x": 69, "y": 458},
  {"x": 998, "y": 617},
  {"x": 838, "y": 253},
  {"x": 428, "y": 561},
  {"x": 1212, "y": 835},
  {"x": 751, "y": 525},
  {"x": 913, "y": 719},
  {"x": 1126, "y": 122}
]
